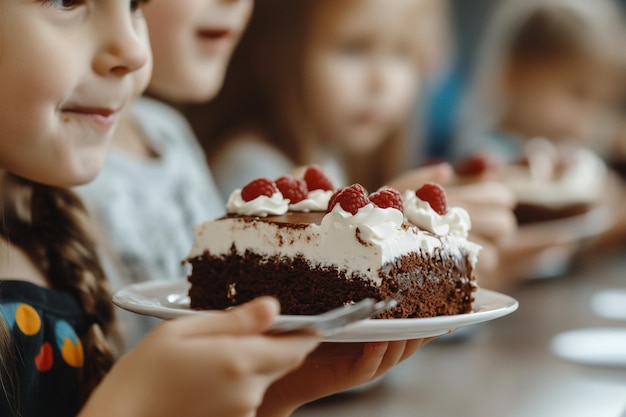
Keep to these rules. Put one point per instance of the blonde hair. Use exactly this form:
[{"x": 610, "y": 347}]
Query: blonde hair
[
  {"x": 49, "y": 224},
  {"x": 539, "y": 32},
  {"x": 263, "y": 90}
]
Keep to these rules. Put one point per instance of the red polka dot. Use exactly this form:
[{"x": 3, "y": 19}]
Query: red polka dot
[{"x": 44, "y": 359}]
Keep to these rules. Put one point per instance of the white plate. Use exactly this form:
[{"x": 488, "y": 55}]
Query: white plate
[
  {"x": 162, "y": 299},
  {"x": 604, "y": 346},
  {"x": 610, "y": 303}
]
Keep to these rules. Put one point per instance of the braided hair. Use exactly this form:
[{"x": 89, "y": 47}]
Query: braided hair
[{"x": 50, "y": 225}]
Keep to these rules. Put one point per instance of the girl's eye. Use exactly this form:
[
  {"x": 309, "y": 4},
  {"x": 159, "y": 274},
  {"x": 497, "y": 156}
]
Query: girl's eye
[
  {"x": 64, "y": 4},
  {"x": 354, "y": 49}
]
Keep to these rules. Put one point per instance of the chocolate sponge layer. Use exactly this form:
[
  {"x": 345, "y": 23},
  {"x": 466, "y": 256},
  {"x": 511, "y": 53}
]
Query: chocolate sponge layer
[{"x": 430, "y": 286}]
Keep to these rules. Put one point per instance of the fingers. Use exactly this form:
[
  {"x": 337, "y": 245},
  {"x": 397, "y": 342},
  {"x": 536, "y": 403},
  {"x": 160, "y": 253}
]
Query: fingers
[
  {"x": 367, "y": 366},
  {"x": 492, "y": 223},
  {"x": 395, "y": 351},
  {"x": 253, "y": 317},
  {"x": 483, "y": 193},
  {"x": 284, "y": 353},
  {"x": 413, "y": 179}
]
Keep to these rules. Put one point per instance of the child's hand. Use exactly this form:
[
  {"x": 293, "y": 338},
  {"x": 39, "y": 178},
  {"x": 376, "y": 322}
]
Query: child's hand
[
  {"x": 210, "y": 365},
  {"x": 490, "y": 206},
  {"x": 331, "y": 368},
  {"x": 413, "y": 179}
]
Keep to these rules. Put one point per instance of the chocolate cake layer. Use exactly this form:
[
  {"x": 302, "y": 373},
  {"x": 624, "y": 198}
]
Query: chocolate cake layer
[
  {"x": 529, "y": 213},
  {"x": 432, "y": 286}
]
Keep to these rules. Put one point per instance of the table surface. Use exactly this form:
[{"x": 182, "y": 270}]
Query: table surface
[{"x": 504, "y": 368}]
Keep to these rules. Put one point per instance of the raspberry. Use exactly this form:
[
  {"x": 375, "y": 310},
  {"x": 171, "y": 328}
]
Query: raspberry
[
  {"x": 317, "y": 180},
  {"x": 387, "y": 198},
  {"x": 350, "y": 199},
  {"x": 293, "y": 189},
  {"x": 435, "y": 195},
  {"x": 475, "y": 165},
  {"x": 257, "y": 188},
  {"x": 333, "y": 199}
]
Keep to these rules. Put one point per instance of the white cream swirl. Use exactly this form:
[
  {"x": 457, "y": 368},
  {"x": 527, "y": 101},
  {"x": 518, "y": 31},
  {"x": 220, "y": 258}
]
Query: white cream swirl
[
  {"x": 455, "y": 222},
  {"x": 374, "y": 223},
  {"x": 316, "y": 200},
  {"x": 261, "y": 206}
]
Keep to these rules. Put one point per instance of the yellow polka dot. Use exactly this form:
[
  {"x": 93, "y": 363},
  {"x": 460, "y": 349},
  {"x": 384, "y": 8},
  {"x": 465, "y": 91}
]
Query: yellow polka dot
[
  {"x": 72, "y": 353},
  {"x": 27, "y": 319}
]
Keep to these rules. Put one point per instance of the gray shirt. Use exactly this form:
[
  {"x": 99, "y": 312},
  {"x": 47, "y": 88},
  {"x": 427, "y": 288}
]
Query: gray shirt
[{"x": 146, "y": 208}]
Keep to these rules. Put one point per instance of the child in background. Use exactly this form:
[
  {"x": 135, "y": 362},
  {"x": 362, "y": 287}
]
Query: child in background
[
  {"x": 315, "y": 82},
  {"x": 333, "y": 83},
  {"x": 67, "y": 72},
  {"x": 549, "y": 68}
]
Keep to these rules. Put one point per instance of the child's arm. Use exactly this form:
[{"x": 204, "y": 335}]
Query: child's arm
[{"x": 213, "y": 365}]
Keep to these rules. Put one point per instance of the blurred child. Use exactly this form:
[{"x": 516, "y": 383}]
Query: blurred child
[
  {"x": 315, "y": 81},
  {"x": 549, "y": 68},
  {"x": 85, "y": 62},
  {"x": 332, "y": 83}
]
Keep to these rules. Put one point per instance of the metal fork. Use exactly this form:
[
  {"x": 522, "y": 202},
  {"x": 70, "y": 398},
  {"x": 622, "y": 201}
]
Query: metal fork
[{"x": 335, "y": 320}]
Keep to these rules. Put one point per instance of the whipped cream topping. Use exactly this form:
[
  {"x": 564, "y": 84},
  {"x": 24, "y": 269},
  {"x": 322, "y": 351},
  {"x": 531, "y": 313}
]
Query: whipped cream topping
[
  {"x": 455, "y": 222},
  {"x": 261, "y": 206},
  {"x": 316, "y": 200},
  {"x": 374, "y": 223},
  {"x": 328, "y": 245},
  {"x": 581, "y": 180}
]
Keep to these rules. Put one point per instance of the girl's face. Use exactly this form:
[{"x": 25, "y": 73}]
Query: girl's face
[
  {"x": 192, "y": 41},
  {"x": 563, "y": 102},
  {"x": 360, "y": 70},
  {"x": 67, "y": 72}
]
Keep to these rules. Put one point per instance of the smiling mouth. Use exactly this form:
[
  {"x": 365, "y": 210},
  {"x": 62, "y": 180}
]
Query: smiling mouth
[
  {"x": 103, "y": 117},
  {"x": 215, "y": 39},
  {"x": 214, "y": 34},
  {"x": 88, "y": 111}
]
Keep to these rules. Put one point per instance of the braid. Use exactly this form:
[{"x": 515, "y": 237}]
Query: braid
[
  {"x": 8, "y": 371},
  {"x": 50, "y": 225}
]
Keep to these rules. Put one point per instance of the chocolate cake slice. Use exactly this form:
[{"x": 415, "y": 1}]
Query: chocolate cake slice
[{"x": 315, "y": 261}]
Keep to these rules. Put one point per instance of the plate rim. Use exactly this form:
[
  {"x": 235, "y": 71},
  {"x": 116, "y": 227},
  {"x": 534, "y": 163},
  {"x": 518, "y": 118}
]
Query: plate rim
[{"x": 491, "y": 305}]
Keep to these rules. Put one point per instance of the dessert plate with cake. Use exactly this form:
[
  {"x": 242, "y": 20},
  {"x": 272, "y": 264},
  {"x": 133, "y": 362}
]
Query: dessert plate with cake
[
  {"x": 168, "y": 300},
  {"x": 316, "y": 248},
  {"x": 565, "y": 196}
]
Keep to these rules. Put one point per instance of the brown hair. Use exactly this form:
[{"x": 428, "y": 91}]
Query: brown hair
[
  {"x": 49, "y": 224},
  {"x": 8, "y": 372},
  {"x": 263, "y": 90},
  {"x": 560, "y": 31}
]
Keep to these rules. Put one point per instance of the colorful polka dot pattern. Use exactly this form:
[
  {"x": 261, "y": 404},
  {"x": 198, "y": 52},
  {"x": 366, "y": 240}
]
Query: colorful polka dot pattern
[{"x": 28, "y": 321}]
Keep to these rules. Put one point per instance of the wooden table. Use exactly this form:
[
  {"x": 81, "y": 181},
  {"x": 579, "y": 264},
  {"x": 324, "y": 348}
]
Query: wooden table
[{"x": 504, "y": 368}]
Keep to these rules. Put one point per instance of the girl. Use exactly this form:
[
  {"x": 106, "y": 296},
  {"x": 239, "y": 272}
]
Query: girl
[
  {"x": 548, "y": 68},
  {"x": 315, "y": 81},
  {"x": 66, "y": 74},
  {"x": 332, "y": 83}
]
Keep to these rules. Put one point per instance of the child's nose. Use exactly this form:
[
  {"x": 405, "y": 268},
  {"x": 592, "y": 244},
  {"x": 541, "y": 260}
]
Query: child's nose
[{"x": 124, "y": 49}]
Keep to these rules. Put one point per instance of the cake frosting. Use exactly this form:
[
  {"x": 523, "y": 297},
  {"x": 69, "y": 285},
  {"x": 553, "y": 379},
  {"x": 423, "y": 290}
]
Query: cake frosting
[
  {"x": 369, "y": 251},
  {"x": 556, "y": 177}
]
